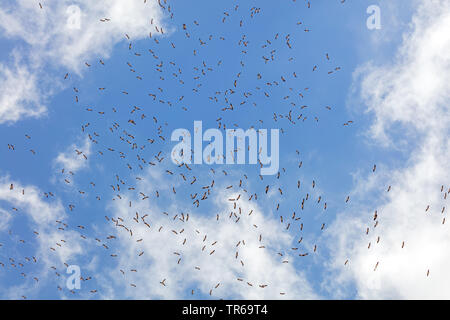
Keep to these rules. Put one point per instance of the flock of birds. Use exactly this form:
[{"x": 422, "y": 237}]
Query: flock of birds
[{"x": 129, "y": 148}]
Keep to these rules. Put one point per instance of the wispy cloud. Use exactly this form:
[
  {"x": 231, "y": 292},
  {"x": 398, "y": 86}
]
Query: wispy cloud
[
  {"x": 201, "y": 252},
  {"x": 51, "y": 246},
  {"x": 412, "y": 94},
  {"x": 59, "y": 38},
  {"x": 20, "y": 96},
  {"x": 75, "y": 157}
]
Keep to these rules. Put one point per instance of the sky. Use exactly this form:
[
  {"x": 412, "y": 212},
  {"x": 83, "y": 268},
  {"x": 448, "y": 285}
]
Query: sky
[{"x": 93, "y": 207}]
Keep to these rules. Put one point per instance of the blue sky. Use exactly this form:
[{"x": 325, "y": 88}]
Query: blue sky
[{"x": 402, "y": 131}]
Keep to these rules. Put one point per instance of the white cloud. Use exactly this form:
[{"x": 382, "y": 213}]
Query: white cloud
[
  {"x": 75, "y": 157},
  {"x": 409, "y": 97},
  {"x": 49, "y": 39},
  {"x": 6, "y": 217},
  {"x": 41, "y": 214},
  {"x": 261, "y": 265},
  {"x": 41, "y": 217},
  {"x": 30, "y": 201},
  {"x": 19, "y": 94},
  {"x": 414, "y": 90}
]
